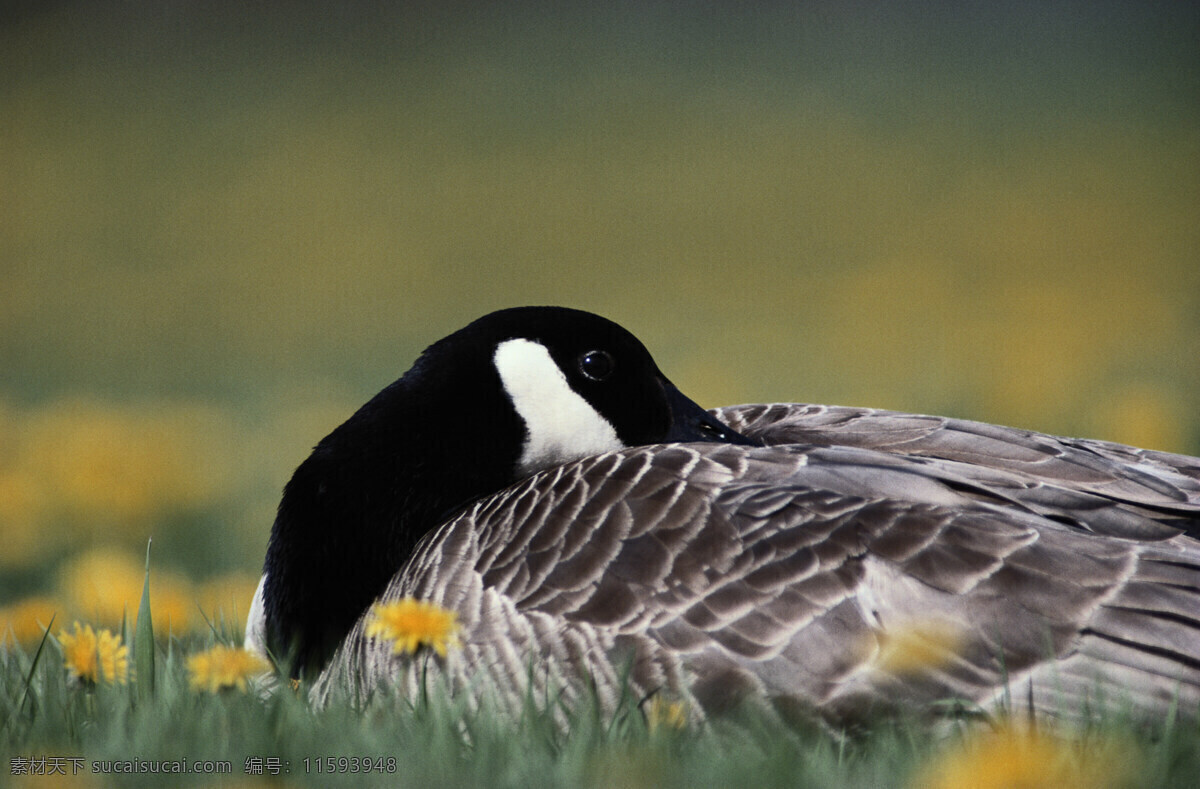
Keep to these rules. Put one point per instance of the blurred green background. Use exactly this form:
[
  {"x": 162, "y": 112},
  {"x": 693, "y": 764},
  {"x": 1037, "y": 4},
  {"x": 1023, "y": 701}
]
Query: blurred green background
[{"x": 223, "y": 226}]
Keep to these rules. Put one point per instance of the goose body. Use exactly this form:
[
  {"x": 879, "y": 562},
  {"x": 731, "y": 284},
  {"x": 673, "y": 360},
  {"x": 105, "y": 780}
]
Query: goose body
[{"x": 825, "y": 561}]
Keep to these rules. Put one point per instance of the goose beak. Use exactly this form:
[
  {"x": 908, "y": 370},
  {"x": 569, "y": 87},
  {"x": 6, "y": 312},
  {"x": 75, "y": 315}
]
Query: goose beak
[{"x": 690, "y": 422}]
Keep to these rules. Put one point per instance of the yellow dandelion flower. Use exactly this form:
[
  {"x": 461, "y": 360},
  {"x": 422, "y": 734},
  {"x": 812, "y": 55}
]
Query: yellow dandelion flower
[
  {"x": 114, "y": 469},
  {"x": 25, "y": 621},
  {"x": 917, "y": 646},
  {"x": 173, "y": 603},
  {"x": 1145, "y": 416},
  {"x": 105, "y": 585},
  {"x": 24, "y": 502},
  {"x": 224, "y": 667},
  {"x": 94, "y": 657},
  {"x": 661, "y": 712},
  {"x": 1012, "y": 756},
  {"x": 410, "y": 624}
]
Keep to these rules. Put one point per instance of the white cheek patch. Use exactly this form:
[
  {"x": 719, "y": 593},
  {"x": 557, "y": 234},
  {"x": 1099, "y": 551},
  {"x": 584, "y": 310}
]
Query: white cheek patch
[{"x": 560, "y": 425}]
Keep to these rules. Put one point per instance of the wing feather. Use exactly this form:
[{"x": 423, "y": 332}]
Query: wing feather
[
  {"x": 1160, "y": 488},
  {"x": 795, "y": 571}
]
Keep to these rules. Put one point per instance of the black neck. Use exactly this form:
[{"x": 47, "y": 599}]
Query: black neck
[{"x": 357, "y": 507}]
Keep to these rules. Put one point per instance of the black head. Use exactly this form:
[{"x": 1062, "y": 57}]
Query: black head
[
  {"x": 514, "y": 392},
  {"x": 580, "y": 384}
]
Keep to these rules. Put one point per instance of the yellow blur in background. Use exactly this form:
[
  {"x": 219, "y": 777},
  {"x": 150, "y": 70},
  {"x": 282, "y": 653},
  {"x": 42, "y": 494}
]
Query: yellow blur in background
[{"x": 223, "y": 228}]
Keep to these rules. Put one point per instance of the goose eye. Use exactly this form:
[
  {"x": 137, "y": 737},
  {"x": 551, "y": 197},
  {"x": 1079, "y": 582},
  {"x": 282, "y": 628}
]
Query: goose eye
[{"x": 596, "y": 365}]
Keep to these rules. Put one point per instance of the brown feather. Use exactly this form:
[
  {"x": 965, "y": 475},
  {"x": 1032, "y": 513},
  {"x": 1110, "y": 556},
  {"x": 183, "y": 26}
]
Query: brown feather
[{"x": 1057, "y": 570}]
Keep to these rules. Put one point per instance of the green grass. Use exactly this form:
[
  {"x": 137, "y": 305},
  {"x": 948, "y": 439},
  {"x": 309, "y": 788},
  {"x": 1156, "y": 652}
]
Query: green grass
[
  {"x": 430, "y": 743},
  {"x": 435, "y": 741}
]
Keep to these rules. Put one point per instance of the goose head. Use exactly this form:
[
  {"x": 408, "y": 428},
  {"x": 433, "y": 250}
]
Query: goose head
[{"x": 515, "y": 392}]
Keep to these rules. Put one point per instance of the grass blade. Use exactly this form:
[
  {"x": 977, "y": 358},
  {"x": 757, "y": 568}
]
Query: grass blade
[
  {"x": 29, "y": 694},
  {"x": 143, "y": 642}
]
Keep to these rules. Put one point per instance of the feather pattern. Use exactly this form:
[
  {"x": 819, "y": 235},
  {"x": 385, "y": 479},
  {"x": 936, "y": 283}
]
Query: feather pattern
[{"x": 1056, "y": 572}]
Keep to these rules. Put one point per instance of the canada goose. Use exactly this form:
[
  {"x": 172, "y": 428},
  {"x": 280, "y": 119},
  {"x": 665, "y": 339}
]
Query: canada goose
[{"x": 595, "y": 530}]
